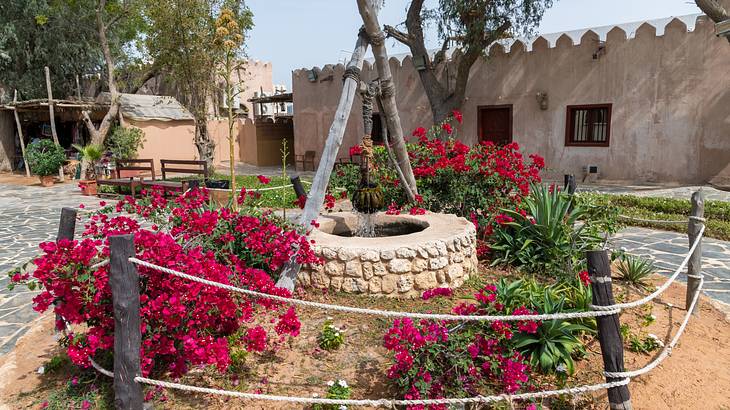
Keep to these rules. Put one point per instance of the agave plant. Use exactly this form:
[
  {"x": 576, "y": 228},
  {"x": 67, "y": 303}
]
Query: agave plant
[
  {"x": 635, "y": 270},
  {"x": 550, "y": 237},
  {"x": 552, "y": 347},
  {"x": 90, "y": 155}
]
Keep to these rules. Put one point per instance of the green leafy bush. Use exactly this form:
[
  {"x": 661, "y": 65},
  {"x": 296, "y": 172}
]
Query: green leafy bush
[
  {"x": 331, "y": 337},
  {"x": 45, "y": 157},
  {"x": 335, "y": 390},
  {"x": 545, "y": 236},
  {"x": 646, "y": 344},
  {"x": 635, "y": 270},
  {"x": 124, "y": 142}
]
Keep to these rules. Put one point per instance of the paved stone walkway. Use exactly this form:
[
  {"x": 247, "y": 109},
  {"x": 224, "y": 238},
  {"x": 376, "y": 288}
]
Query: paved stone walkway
[
  {"x": 681, "y": 192},
  {"x": 28, "y": 216},
  {"x": 667, "y": 250}
]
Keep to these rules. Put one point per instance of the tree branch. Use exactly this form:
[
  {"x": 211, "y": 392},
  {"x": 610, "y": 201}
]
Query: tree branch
[
  {"x": 713, "y": 9},
  {"x": 397, "y": 34}
]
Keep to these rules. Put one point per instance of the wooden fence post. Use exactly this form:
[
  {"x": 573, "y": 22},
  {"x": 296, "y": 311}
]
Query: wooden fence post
[
  {"x": 67, "y": 224},
  {"x": 609, "y": 328},
  {"x": 298, "y": 188},
  {"x": 694, "y": 266},
  {"x": 570, "y": 184},
  {"x": 124, "y": 282},
  {"x": 51, "y": 116}
]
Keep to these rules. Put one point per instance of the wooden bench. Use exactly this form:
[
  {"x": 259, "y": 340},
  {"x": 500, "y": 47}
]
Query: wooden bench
[
  {"x": 307, "y": 158},
  {"x": 176, "y": 166},
  {"x": 127, "y": 170}
]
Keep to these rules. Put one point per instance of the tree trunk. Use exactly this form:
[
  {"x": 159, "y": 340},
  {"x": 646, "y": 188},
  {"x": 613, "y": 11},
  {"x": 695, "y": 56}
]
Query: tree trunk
[
  {"x": 714, "y": 9},
  {"x": 387, "y": 89},
  {"x": 206, "y": 147},
  {"x": 99, "y": 135},
  {"x": 329, "y": 156}
]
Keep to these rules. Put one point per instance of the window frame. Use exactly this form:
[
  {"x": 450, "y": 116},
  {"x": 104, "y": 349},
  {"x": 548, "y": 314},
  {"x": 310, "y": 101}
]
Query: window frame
[{"x": 570, "y": 125}]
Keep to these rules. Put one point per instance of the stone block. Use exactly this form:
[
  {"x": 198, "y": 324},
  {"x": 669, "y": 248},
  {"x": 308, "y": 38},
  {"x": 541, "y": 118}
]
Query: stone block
[
  {"x": 454, "y": 272},
  {"x": 425, "y": 280},
  {"x": 405, "y": 253},
  {"x": 329, "y": 253},
  {"x": 346, "y": 254},
  {"x": 336, "y": 283},
  {"x": 379, "y": 269},
  {"x": 370, "y": 256},
  {"x": 387, "y": 255},
  {"x": 438, "y": 263},
  {"x": 405, "y": 284},
  {"x": 353, "y": 268},
  {"x": 389, "y": 283},
  {"x": 320, "y": 280},
  {"x": 333, "y": 268},
  {"x": 367, "y": 270},
  {"x": 399, "y": 266}
]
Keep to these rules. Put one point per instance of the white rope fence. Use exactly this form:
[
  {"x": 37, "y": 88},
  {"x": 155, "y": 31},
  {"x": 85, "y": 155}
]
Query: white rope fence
[
  {"x": 668, "y": 348},
  {"x": 660, "y": 289},
  {"x": 377, "y": 312},
  {"x": 372, "y": 402},
  {"x": 624, "y": 377}
]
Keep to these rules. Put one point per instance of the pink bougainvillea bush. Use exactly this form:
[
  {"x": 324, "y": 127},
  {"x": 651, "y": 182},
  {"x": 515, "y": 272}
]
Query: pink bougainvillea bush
[
  {"x": 440, "y": 359},
  {"x": 475, "y": 182},
  {"x": 184, "y": 323}
]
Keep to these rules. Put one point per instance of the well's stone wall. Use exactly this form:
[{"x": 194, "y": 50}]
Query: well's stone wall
[{"x": 442, "y": 255}]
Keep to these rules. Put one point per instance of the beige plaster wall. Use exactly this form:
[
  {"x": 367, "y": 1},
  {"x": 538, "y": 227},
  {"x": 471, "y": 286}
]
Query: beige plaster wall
[{"x": 670, "y": 95}]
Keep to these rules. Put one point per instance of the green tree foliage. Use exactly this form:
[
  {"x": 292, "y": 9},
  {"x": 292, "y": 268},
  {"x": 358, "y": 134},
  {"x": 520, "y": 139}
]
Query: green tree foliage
[
  {"x": 181, "y": 40},
  {"x": 60, "y": 34},
  {"x": 468, "y": 28}
]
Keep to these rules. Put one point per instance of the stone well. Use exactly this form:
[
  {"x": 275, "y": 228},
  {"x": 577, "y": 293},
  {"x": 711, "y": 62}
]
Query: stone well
[{"x": 411, "y": 254}]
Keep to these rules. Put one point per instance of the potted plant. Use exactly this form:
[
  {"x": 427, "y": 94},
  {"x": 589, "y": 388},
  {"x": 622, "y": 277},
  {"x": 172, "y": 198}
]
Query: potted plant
[
  {"x": 45, "y": 158},
  {"x": 90, "y": 156}
]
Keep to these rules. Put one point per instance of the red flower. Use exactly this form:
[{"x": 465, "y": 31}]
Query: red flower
[
  {"x": 263, "y": 179},
  {"x": 584, "y": 277},
  {"x": 419, "y": 132},
  {"x": 457, "y": 116},
  {"x": 355, "y": 150},
  {"x": 447, "y": 127},
  {"x": 301, "y": 201}
]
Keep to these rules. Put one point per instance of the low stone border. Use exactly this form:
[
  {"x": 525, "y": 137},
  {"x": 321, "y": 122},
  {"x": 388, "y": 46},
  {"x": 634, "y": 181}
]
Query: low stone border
[{"x": 441, "y": 255}]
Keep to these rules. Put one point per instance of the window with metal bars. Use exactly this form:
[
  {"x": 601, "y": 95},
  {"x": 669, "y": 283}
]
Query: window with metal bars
[{"x": 588, "y": 125}]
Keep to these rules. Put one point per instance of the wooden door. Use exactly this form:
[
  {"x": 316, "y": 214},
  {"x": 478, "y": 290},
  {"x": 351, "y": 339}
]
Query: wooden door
[{"x": 495, "y": 124}]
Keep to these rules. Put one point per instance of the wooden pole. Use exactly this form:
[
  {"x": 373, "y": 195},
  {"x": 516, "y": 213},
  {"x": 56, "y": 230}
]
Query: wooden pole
[
  {"x": 694, "y": 266},
  {"x": 329, "y": 153},
  {"x": 298, "y": 188},
  {"x": 67, "y": 225},
  {"x": 20, "y": 134},
  {"x": 609, "y": 328},
  {"x": 124, "y": 281},
  {"x": 376, "y": 36},
  {"x": 51, "y": 115},
  {"x": 570, "y": 184}
]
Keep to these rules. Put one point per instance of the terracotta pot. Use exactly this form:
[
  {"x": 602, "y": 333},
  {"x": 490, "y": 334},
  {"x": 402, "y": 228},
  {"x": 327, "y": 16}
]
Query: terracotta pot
[
  {"x": 47, "y": 180},
  {"x": 88, "y": 187}
]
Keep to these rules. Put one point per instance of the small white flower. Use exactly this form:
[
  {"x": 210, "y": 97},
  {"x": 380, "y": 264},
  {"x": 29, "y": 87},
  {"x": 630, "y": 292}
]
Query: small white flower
[
  {"x": 653, "y": 336},
  {"x": 562, "y": 368},
  {"x": 652, "y": 317},
  {"x": 330, "y": 383},
  {"x": 343, "y": 407},
  {"x": 329, "y": 318},
  {"x": 41, "y": 370},
  {"x": 315, "y": 395},
  {"x": 337, "y": 333},
  {"x": 342, "y": 383}
]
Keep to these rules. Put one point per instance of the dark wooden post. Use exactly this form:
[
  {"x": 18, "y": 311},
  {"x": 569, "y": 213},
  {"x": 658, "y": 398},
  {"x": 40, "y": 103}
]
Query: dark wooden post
[
  {"x": 570, "y": 184},
  {"x": 609, "y": 328},
  {"x": 694, "y": 266},
  {"x": 124, "y": 282},
  {"x": 298, "y": 188},
  {"x": 67, "y": 225}
]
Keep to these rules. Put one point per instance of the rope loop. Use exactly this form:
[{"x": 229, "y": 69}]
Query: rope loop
[{"x": 352, "y": 72}]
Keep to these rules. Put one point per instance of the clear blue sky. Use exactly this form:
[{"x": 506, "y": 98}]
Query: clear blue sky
[{"x": 305, "y": 33}]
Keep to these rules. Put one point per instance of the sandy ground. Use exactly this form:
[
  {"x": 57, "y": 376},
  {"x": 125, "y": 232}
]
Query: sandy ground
[{"x": 695, "y": 376}]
